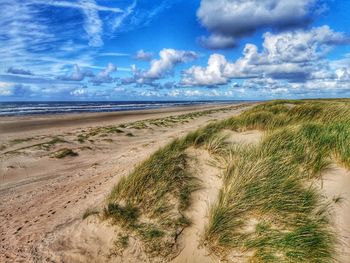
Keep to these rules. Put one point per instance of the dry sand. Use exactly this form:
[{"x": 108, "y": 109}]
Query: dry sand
[
  {"x": 192, "y": 250},
  {"x": 44, "y": 198},
  {"x": 336, "y": 183}
]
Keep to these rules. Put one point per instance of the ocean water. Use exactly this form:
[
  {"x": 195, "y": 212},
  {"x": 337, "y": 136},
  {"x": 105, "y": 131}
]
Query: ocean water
[{"x": 38, "y": 108}]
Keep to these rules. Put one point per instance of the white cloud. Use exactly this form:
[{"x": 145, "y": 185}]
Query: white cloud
[
  {"x": 79, "y": 92},
  {"x": 294, "y": 56},
  {"x": 343, "y": 74},
  {"x": 142, "y": 55},
  {"x": 149, "y": 93},
  {"x": 159, "y": 68},
  {"x": 112, "y": 54},
  {"x": 104, "y": 76},
  {"x": 239, "y": 18},
  {"x": 169, "y": 58},
  {"x": 82, "y": 4},
  {"x": 118, "y": 22},
  {"x": 300, "y": 46},
  {"x": 19, "y": 30},
  {"x": 32, "y": 39},
  {"x": 29, "y": 40},
  {"x": 93, "y": 24},
  {"x": 198, "y": 93},
  {"x": 77, "y": 74},
  {"x": 6, "y": 89},
  {"x": 209, "y": 76},
  {"x": 138, "y": 14},
  {"x": 13, "y": 89}
]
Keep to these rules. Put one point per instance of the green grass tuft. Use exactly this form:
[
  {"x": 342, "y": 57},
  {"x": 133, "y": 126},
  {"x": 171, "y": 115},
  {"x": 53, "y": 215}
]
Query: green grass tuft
[
  {"x": 62, "y": 153},
  {"x": 89, "y": 212},
  {"x": 160, "y": 190}
]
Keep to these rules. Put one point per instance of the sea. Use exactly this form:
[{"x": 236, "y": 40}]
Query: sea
[{"x": 66, "y": 107}]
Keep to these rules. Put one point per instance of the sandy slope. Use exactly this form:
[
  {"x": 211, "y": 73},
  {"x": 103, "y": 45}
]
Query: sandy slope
[
  {"x": 192, "y": 249},
  {"x": 41, "y": 197},
  {"x": 91, "y": 240},
  {"x": 336, "y": 183}
]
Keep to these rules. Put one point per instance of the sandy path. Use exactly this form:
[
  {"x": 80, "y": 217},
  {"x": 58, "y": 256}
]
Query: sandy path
[
  {"x": 191, "y": 239},
  {"x": 51, "y": 195},
  {"x": 336, "y": 183}
]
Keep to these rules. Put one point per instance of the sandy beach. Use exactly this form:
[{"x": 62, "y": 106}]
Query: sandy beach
[
  {"x": 41, "y": 195},
  {"x": 174, "y": 131},
  {"x": 39, "y": 124},
  {"x": 57, "y": 171}
]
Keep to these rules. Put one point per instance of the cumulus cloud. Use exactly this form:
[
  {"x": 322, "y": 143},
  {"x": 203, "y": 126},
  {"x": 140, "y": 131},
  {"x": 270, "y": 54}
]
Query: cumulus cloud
[
  {"x": 209, "y": 76},
  {"x": 159, "y": 68},
  {"x": 235, "y": 19},
  {"x": 104, "y": 76},
  {"x": 19, "y": 71},
  {"x": 77, "y": 74},
  {"x": 294, "y": 56},
  {"x": 144, "y": 56},
  {"x": 301, "y": 46},
  {"x": 165, "y": 65}
]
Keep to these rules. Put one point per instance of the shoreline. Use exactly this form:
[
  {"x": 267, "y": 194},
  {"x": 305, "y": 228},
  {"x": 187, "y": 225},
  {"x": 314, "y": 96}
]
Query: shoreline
[{"x": 18, "y": 125}]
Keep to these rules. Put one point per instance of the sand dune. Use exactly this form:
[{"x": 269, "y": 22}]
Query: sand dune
[
  {"x": 41, "y": 195},
  {"x": 44, "y": 198}
]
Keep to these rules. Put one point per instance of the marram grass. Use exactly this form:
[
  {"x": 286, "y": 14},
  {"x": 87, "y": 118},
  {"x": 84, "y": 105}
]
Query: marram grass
[
  {"x": 151, "y": 201},
  {"x": 268, "y": 209}
]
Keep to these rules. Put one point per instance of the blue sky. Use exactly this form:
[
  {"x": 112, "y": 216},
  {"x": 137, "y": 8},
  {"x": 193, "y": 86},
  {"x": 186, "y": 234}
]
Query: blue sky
[{"x": 173, "y": 49}]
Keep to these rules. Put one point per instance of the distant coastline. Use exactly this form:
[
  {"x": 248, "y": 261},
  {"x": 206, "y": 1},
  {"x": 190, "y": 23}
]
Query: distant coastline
[{"x": 70, "y": 107}]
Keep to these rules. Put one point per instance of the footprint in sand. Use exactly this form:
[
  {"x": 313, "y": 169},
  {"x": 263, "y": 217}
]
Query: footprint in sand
[{"x": 18, "y": 229}]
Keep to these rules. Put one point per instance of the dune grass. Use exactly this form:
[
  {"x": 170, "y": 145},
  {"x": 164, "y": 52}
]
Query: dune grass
[
  {"x": 64, "y": 152},
  {"x": 268, "y": 209},
  {"x": 21, "y": 140},
  {"x": 42, "y": 145},
  {"x": 89, "y": 212},
  {"x": 150, "y": 202},
  {"x": 169, "y": 121}
]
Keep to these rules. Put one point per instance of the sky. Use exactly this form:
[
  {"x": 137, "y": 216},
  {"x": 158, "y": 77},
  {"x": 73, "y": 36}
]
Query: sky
[{"x": 97, "y": 50}]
